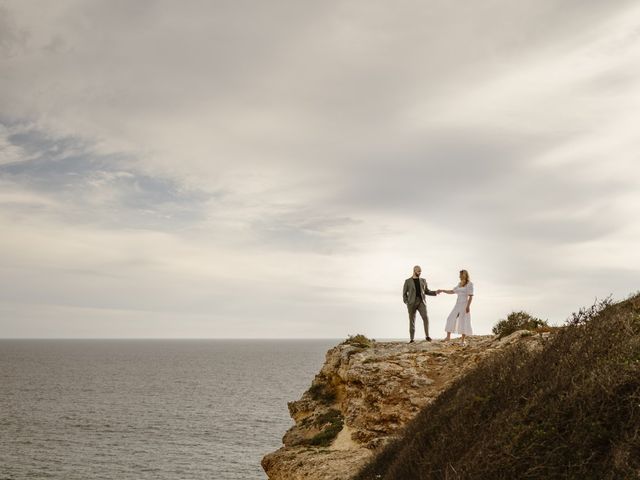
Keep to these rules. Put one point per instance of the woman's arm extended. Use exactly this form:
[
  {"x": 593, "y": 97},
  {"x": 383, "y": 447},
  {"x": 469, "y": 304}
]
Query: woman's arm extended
[{"x": 446, "y": 291}]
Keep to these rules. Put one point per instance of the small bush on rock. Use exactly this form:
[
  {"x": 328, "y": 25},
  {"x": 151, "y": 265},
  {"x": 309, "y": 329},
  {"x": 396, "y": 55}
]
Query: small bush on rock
[
  {"x": 518, "y": 321},
  {"x": 331, "y": 423},
  {"x": 322, "y": 392},
  {"x": 359, "y": 340}
]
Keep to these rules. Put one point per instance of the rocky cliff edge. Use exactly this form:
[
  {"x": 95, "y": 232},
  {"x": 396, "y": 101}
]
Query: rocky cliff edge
[{"x": 364, "y": 394}]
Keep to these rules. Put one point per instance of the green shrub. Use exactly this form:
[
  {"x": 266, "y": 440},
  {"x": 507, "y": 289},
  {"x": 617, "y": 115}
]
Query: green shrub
[
  {"x": 331, "y": 423},
  {"x": 518, "y": 321},
  {"x": 322, "y": 392},
  {"x": 359, "y": 340}
]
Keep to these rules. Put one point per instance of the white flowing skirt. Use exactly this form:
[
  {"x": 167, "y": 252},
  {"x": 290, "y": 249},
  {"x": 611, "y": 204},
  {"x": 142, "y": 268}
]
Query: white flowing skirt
[{"x": 459, "y": 321}]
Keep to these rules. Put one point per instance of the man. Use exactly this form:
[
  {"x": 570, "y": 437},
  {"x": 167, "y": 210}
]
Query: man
[{"x": 413, "y": 292}]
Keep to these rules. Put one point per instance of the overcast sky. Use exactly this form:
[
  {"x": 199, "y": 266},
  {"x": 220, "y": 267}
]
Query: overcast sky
[{"x": 275, "y": 169}]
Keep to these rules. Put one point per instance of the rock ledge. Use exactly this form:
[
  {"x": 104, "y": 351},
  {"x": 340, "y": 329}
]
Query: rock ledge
[{"x": 364, "y": 395}]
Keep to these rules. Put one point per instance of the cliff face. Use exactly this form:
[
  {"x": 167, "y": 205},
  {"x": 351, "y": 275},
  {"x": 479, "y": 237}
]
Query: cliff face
[{"x": 362, "y": 397}]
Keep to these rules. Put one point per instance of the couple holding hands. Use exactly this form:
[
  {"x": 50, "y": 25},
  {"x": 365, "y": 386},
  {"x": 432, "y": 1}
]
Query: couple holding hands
[{"x": 458, "y": 321}]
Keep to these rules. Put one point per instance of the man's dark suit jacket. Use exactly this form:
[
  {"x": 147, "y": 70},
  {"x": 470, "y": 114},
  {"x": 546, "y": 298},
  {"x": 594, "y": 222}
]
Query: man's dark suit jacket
[{"x": 409, "y": 291}]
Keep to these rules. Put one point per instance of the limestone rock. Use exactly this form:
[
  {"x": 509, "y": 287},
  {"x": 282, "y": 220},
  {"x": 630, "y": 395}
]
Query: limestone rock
[{"x": 362, "y": 397}]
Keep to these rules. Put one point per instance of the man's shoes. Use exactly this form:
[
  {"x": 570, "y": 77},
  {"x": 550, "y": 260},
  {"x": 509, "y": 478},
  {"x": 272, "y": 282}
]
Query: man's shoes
[
  {"x": 428, "y": 339},
  {"x": 411, "y": 341}
]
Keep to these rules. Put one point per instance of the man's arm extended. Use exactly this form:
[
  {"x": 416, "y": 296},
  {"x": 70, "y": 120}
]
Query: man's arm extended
[{"x": 429, "y": 292}]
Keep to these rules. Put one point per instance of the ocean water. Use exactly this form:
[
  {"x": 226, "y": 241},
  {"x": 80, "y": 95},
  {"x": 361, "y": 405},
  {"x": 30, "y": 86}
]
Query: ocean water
[{"x": 148, "y": 409}]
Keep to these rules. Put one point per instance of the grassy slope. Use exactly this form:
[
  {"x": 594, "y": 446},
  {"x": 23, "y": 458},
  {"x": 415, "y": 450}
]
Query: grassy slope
[{"x": 571, "y": 410}]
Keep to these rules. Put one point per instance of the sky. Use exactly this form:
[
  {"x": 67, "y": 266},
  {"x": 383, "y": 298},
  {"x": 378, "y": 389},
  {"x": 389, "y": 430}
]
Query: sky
[{"x": 249, "y": 169}]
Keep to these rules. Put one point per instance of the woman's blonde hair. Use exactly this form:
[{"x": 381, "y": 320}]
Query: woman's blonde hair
[{"x": 466, "y": 278}]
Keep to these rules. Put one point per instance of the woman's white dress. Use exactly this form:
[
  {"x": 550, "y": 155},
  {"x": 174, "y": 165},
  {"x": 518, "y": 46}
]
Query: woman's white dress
[{"x": 459, "y": 321}]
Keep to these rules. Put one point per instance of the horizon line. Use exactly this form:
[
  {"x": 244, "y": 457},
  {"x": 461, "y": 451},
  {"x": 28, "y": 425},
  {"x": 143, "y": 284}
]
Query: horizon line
[{"x": 186, "y": 338}]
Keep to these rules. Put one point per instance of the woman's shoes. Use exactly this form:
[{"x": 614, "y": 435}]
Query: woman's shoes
[{"x": 464, "y": 344}]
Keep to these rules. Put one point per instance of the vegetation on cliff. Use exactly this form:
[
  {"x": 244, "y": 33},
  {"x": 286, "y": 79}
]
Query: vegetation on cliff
[
  {"x": 330, "y": 422},
  {"x": 568, "y": 410},
  {"x": 359, "y": 341},
  {"x": 519, "y": 321}
]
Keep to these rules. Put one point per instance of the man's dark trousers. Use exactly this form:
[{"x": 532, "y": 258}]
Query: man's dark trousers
[{"x": 418, "y": 306}]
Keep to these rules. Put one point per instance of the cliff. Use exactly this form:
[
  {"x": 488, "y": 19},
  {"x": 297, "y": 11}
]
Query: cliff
[
  {"x": 570, "y": 410},
  {"x": 365, "y": 394}
]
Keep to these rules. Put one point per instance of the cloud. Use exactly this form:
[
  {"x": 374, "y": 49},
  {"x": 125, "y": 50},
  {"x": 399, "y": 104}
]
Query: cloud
[
  {"x": 156, "y": 156},
  {"x": 9, "y": 153},
  {"x": 93, "y": 187},
  {"x": 12, "y": 38}
]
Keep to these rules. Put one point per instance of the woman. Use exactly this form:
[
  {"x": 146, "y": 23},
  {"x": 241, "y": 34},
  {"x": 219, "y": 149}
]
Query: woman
[{"x": 459, "y": 320}]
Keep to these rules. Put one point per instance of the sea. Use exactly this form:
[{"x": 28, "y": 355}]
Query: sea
[{"x": 148, "y": 409}]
